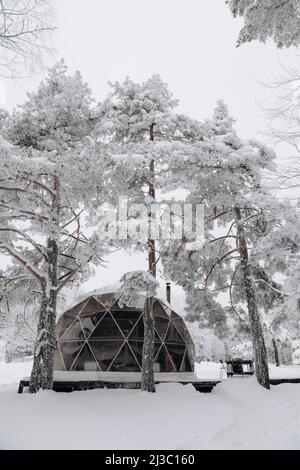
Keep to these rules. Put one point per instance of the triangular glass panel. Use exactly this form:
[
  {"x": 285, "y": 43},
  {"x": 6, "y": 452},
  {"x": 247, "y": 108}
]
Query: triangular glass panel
[
  {"x": 161, "y": 326},
  {"x": 137, "y": 348},
  {"x": 107, "y": 300},
  {"x": 65, "y": 323},
  {"x": 77, "y": 309},
  {"x": 58, "y": 362},
  {"x": 186, "y": 365},
  {"x": 139, "y": 304},
  {"x": 90, "y": 323},
  {"x": 166, "y": 307},
  {"x": 168, "y": 310},
  {"x": 163, "y": 362},
  {"x": 115, "y": 306},
  {"x": 69, "y": 351},
  {"x": 74, "y": 332},
  {"x": 138, "y": 331},
  {"x": 176, "y": 352},
  {"x": 107, "y": 328},
  {"x": 155, "y": 357},
  {"x": 126, "y": 319},
  {"x": 157, "y": 346},
  {"x": 159, "y": 310},
  {"x": 105, "y": 352},
  {"x": 92, "y": 307},
  {"x": 156, "y": 337},
  {"x": 181, "y": 327},
  {"x": 173, "y": 336},
  {"x": 86, "y": 361},
  {"x": 125, "y": 361}
]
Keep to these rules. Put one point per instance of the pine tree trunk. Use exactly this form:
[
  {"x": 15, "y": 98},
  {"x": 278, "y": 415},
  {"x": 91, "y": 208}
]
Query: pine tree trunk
[
  {"x": 148, "y": 381},
  {"x": 45, "y": 346},
  {"x": 151, "y": 243},
  {"x": 276, "y": 355},
  {"x": 259, "y": 347},
  {"x": 42, "y": 371}
]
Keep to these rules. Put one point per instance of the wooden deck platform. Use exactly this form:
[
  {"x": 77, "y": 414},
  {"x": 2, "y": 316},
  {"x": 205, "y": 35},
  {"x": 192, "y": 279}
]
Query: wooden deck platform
[
  {"x": 75, "y": 381},
  {"x": 284, "y": 381},
  {"x": 273, "y": 381}
]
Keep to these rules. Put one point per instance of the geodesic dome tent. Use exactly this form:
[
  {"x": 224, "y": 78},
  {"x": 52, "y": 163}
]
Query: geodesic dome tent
[{"x": 98, "y": 335}]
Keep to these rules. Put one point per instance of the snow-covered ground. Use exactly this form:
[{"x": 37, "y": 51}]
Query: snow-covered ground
[
  {"x": 13, "y": 372},
  {"x": 238, "y": 414}
]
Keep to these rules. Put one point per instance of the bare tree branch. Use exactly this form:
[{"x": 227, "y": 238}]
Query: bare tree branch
[{"x": 25, "y": 30}]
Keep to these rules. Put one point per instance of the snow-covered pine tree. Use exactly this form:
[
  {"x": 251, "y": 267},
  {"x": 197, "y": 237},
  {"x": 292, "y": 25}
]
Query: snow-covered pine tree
[
  {"x": 49, "y": 170},
  {"x": 264, "y": 19},
  {"x": 138, "y": 112},
  {"x": 285, "y": 318},
  {"x": 245, "y": 230},
  {"x": 140, "y": 121},
  {"x": 283, "y": 114}
]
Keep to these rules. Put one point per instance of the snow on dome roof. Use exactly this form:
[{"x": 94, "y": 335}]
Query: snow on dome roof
[{"x": 107, "y": 298}]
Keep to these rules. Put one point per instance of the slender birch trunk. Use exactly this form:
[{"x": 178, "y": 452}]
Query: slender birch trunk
[
  {"x": 259, "y": 347},
  {"x": 148, "y": 381},
  {"x": 289, "y": 352},
  {"x": 276, "y": 354},
  {"x": 286, "y": 353}
]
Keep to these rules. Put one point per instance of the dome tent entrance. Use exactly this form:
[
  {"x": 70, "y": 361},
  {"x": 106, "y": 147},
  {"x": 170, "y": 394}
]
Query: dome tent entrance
[{"x": 98, "y": 335}]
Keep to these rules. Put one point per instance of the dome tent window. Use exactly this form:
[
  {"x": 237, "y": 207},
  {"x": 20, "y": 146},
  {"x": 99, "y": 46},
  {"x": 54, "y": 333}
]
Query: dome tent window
[{"x": 98, "y": 335}]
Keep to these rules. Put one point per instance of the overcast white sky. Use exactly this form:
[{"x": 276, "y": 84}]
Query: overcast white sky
[{"x": 190, "y": 43}]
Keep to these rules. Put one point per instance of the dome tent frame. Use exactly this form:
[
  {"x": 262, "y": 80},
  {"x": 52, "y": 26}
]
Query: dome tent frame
[{"x": 97, "y": 335}]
